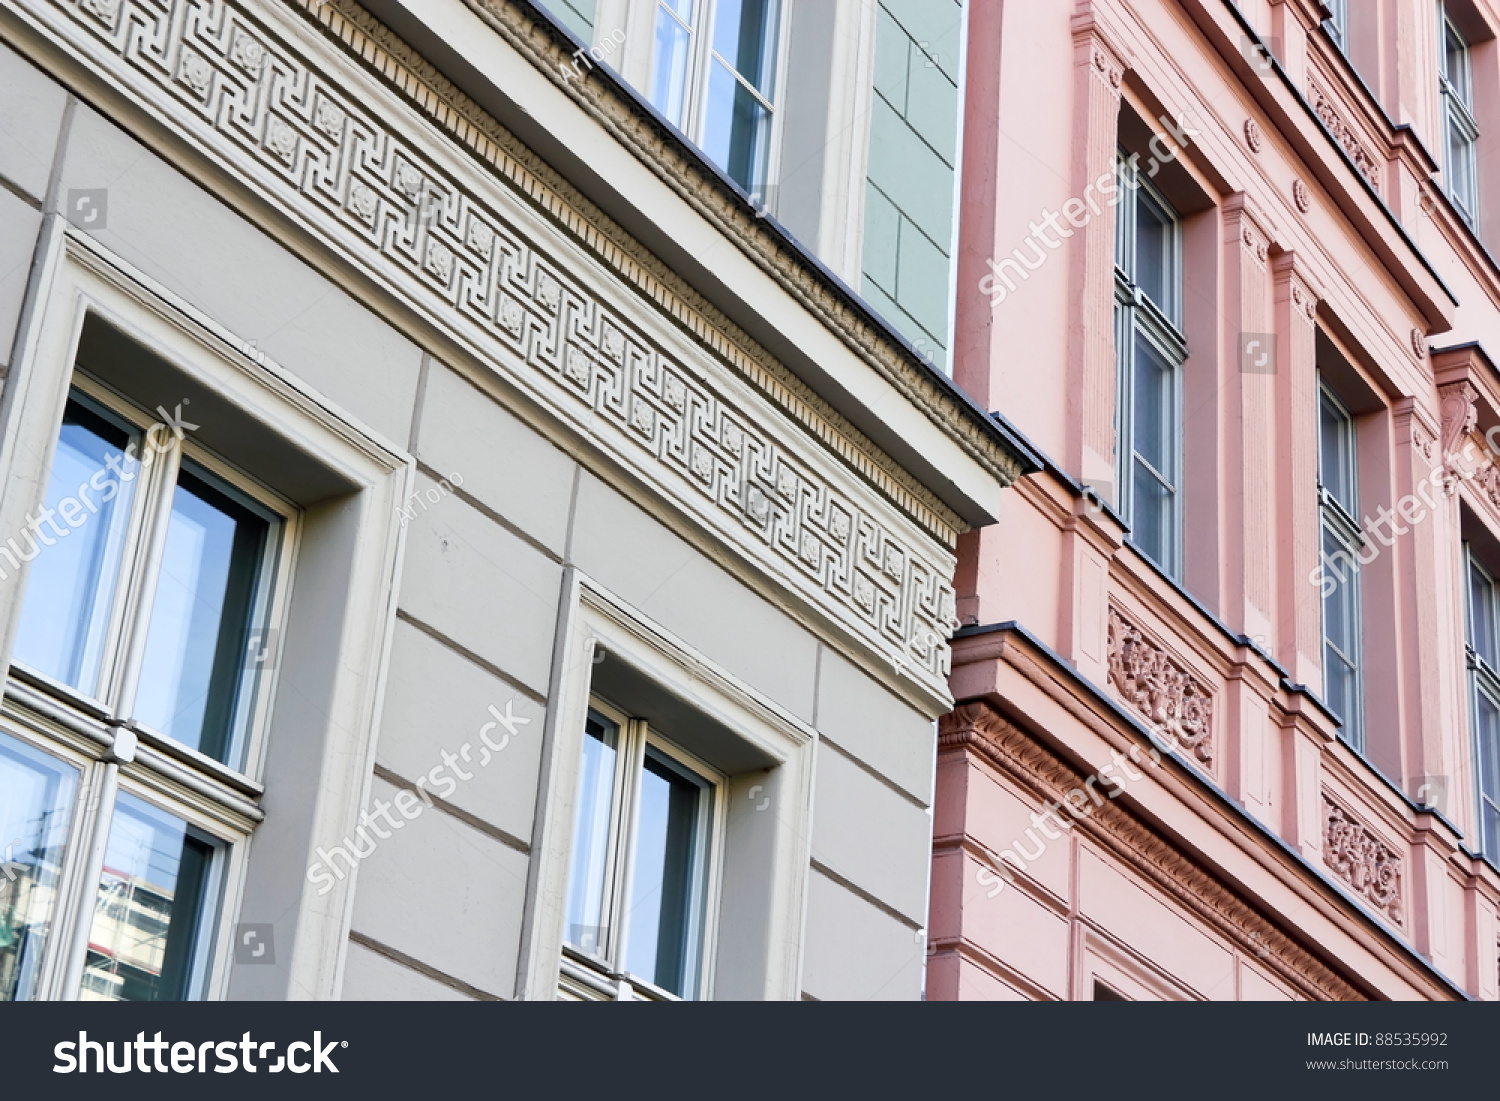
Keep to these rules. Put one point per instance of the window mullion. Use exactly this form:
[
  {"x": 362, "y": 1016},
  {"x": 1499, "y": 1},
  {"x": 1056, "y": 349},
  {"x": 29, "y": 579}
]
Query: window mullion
[
  {"x": 142, "y": 573},
  {"x": 76, "y": 924},
  {"x": 629, "y": 762},
  {"x": 700, "y": 52}
]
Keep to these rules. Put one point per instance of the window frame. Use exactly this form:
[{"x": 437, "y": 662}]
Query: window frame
[
  {"x": 1335, "y": 518},
  {"x": 75, "y": 277},
  {"x": 1484, "y": 679},
  {"x": 636, "y": 738},
  {"x": 1337, "y": 24},
  {"x": 695, "y": 85},
  {"x": 765, "y": 858},
  {"x": 217, "y": 808},
  {"x": 1456, "y": 95},
  {"x": 1138, "y": 315},
  {"x": 129, "y": 618}
]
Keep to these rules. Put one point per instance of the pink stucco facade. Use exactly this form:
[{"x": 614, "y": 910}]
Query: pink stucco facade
[{"x": 1263, "y": 856}]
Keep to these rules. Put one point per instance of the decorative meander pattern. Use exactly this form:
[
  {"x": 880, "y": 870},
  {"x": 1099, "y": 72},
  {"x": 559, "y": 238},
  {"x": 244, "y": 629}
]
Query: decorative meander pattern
[{"x": 249, "y": 98}]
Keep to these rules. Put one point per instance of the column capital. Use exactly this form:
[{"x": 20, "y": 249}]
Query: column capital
[{"x": 1099, "y": 47}]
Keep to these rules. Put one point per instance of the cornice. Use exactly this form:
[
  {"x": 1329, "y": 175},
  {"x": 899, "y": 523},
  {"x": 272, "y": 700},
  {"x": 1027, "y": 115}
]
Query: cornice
[
  {"x": 978, "y": 728},
  {"x": 695, "y": 182},
  {"x": 263, "y": 105},
  {"x": 404, "y": 70}
]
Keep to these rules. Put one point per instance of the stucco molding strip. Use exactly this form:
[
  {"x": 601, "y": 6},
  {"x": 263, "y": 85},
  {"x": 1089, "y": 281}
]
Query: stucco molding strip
[
  {"x": 978, "y": 728},
  {"x": 310, "y": 140},
  {"x": 741, "y": 224},
  {"x": 427, "y": 90}
]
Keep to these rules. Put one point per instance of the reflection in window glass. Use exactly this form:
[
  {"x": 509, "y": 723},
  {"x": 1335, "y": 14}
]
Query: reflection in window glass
[
  {"x": 71, "y": 584},
  {"x": 1154, "y": 499},
  {"x": 1482, "y": 615},
  {"x": 1154, "y": 249},
  {"x": 36, "y": 804},
  {"x": 148, "y": 913},
  {"x": 196, "y": 649},
  {"x": 1487, "y": 724},
  {"x": 587, "y": 921},
  {"x": 665, "y": 877},
  {"x": 674, "y": 20},
  {"x": 744, "y": 39},
  {"x": 736, "y": 130}
]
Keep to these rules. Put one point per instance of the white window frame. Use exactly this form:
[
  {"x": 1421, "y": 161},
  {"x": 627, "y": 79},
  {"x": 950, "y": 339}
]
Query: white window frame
[
  {"x": 1337, "y": 23},
  {"x": 1160, "y": 323},
  {"x": 695, "y": 81},
  {"x": 74, "y": 278},
  {"x": 590, "y": 975},
  {"x": 221, "y": 812},
  {"x": 145, "y": 537},
  {"x": 1484, "y": 679},
  {"x": 595, "y": 620},
  {"x": 1335, "y": 518},
  {"x": 1457, "y": 98}
]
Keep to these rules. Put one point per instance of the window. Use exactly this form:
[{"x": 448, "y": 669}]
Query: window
[
  {"x": 1461, "y": 133},
  {"x": 1342, "y": 544},
  {"x": 1151, "y": 350},
  {"x": 145, "y": 619},
  {"x": 672, "y": 861},
  {"x": 1337, "y": 23},
  {"x": 1484, "y": 700},
  {"x": 642, "y": 862},
  {"x": 151, "y": 609},
  {"x": 713, "y": 77}
]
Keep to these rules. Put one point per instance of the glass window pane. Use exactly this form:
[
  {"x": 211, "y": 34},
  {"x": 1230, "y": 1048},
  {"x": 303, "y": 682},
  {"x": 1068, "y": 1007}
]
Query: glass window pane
[
  {"x": 71, "y": 586},
  {"x": 196, "y": 648},
  {"x": 587, "y": 923},
  {"x": 1456, "y": 62},
  {"x": 1461, "y": 166},
  {"x": 1151, "y": 518},
  {"x": 745, "y": 38},
  {"x": 36, "y": 806},
  {"x": 1487, "y": 735},
  {"x": 1336, "y": 453},
  {"x": 1340, "y": 688},
  {"x": 148, "y": 914},
  {"x": 1339, "y": 566},
  {"x": 1154, "y": 253},
  {"x": 1155, "y": 426},
  {"x": 736, "y": 129},
  {"x": 666, "y": 878},
  {"x": 670, "y": 68},
  {"x": 1482, "y": 615}
]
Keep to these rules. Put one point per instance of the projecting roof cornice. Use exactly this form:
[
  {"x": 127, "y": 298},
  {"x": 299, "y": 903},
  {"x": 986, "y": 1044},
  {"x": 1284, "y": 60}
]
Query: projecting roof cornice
[{"x": 671, "y": 200}]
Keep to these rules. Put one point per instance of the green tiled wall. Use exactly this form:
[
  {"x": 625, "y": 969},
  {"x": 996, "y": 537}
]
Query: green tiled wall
[{"x": 909, "y": 201}]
